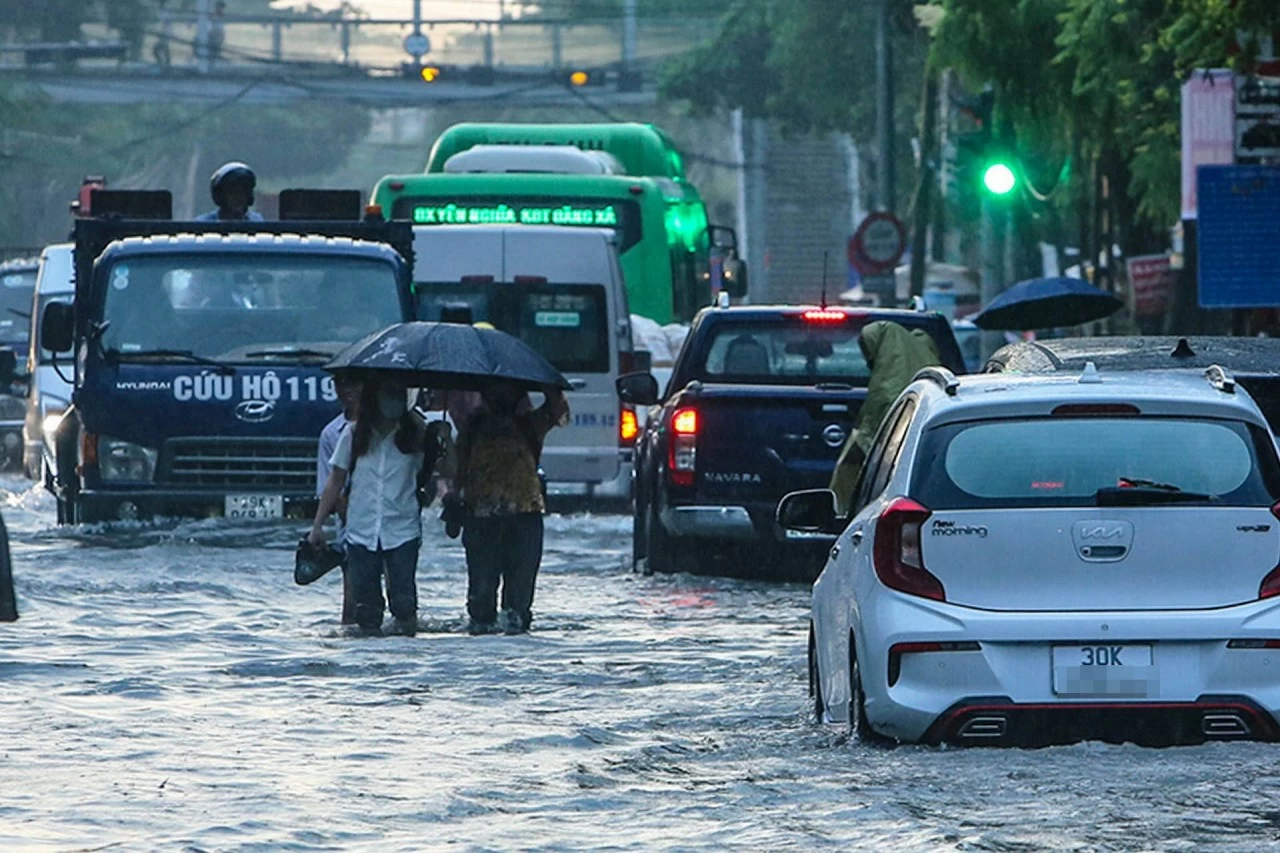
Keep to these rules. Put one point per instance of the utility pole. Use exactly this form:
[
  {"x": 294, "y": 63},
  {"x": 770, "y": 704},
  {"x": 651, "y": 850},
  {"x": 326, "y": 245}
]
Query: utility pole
[
  {"x": 884, "y": 107},
  {"x": 992, "y": 238}
]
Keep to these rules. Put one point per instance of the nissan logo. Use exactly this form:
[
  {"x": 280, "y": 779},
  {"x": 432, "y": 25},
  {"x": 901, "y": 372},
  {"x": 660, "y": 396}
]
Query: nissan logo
[
  {"x": 834, "y": 435},
  {"x": 255, "y": 411}
]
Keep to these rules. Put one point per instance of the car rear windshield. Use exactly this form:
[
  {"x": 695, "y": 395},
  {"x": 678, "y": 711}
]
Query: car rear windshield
[
  {"x": 568, "y": 324},
  {"x": 1046, "y": 462},
  {"x": 791, "y": 353}
]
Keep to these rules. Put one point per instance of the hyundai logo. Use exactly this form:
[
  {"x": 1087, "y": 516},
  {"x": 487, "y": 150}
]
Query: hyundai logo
[
  {"x": 255, "y": 411},
  {"x": 834, "y": 435}
]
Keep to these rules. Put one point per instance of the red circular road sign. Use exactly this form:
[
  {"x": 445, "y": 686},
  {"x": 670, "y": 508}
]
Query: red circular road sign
[{"x": 878, "y": 244}]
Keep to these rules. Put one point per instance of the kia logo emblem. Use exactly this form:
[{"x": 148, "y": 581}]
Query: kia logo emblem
[
  {"x": 255, "y": 411},
  {"x": 834, "y": 435}
]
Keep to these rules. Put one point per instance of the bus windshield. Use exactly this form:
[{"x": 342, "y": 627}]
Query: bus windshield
[
  {"x": 566, "y": 323},
  {"x": 246, "y": 307}
]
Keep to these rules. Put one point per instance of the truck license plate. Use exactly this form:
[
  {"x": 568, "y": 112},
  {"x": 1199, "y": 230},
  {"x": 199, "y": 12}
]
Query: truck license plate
[
  {"x": 254, "y": 506},
  {"x": 1104, "y": 669}
]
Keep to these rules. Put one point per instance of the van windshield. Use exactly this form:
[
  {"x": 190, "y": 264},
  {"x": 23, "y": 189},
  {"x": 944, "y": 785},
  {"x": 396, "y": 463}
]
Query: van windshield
[
  {"x": 246, "y": 307},
  {"x": 568, "y": 324},
  {"x": 17, "y": 288}
]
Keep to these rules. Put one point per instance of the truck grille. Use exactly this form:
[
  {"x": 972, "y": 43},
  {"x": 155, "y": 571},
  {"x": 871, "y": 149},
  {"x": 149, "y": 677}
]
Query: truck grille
[{"x": 287, "y": 465}]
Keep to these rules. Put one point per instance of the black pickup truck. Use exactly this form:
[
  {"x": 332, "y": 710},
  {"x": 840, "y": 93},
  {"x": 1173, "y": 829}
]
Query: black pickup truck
[{"x": 759, "y": 404}]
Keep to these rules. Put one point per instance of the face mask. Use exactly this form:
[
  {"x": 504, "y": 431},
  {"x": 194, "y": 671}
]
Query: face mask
[{"x": 392, "y": 403}]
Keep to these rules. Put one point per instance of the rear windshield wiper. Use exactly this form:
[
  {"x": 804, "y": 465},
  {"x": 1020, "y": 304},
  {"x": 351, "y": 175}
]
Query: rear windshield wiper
[
  {"x": 286, "y": 352},
  {"x": 1137, "y": 492},
  {"x": 185, "y": 354}
]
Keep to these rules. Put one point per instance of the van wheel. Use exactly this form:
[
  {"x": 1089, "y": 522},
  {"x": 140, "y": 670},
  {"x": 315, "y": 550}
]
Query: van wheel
[
  {"x": 639, "y": 538},
  {"x": 659, "y": 546}
]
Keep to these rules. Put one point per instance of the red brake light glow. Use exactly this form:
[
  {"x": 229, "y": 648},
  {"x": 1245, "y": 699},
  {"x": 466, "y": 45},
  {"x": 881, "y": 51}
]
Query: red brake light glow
[
  {"x": 897, "y": 555},
  {"x": 824, "y": 315},
  {"x": 685, "y": 422}
]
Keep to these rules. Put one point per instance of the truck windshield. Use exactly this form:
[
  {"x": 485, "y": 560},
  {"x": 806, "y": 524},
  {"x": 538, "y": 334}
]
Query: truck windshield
[
  {"x": 16, "y": 291},
  {"x": 565, "y": 323},
  {"x": 799, "y": 353},
  {"x": 246, "y": 307}
]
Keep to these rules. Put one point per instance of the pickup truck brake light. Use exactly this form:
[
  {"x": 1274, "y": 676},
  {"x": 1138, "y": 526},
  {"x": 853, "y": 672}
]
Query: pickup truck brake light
[
  {"x": 682, "y": 448},
  {"x": 628, "y": 425},
  {"x": 824, "y": 315}
]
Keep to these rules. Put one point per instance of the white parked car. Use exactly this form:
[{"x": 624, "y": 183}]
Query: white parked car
[{"x": 1046, "y": 558}]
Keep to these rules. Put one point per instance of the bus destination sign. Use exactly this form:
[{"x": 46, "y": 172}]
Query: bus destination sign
[{"x": 595, "y": 215}]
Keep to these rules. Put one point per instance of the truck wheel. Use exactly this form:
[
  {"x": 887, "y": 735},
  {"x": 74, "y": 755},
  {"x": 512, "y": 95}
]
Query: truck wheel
[
  {"x": 659, "y": 546},
  {"x": 638, "y": 539}
]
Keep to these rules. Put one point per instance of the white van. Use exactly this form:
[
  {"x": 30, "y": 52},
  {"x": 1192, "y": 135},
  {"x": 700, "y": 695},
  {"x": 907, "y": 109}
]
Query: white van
[
  {"x": 50, "y": 394},
  {"x": 561, "y": 291}
]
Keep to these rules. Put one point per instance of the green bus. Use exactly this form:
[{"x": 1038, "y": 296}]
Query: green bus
[{"x": 664, "y": 242}]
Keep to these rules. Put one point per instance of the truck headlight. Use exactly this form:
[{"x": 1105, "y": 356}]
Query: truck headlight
[{"x": 124, "y": 461}]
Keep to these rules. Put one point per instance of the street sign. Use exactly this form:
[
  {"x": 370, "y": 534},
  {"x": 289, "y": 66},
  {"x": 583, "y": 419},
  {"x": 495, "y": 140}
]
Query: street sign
[
  {"x": 1257, "y": 122},
  {"x": 1150, "y": 277},
  {"x": 1238, "y": 236},
  {"x": 417, "y": 45},
  {"x": 878, "y": 244},
  {"x": 1207, "y": 131}
]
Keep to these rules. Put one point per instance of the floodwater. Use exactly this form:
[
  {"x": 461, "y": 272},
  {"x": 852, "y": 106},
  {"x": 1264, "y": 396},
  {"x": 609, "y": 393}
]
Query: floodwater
[{"x": 168, "y": 687}]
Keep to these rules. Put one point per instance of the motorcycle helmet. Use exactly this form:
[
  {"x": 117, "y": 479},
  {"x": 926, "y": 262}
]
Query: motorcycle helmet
[{"x": 230, "y": 175}]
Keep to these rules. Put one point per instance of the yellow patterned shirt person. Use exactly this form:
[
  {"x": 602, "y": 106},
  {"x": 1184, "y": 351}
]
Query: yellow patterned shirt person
[{"x": 498, "y": 458}]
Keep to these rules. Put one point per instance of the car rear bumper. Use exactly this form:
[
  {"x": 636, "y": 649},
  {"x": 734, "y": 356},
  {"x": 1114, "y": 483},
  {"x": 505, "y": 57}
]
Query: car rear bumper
[
  {"x": 935, "y": 694},
  {"x": 184, "y": 503}
]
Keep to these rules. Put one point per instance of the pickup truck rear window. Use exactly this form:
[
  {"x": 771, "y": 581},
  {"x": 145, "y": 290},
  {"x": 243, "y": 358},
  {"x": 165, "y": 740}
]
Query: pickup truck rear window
[
  {"x": 568, "y": 324},
  {"x": 785, "y": 354},
  {"x": 1048, "y": 462}
]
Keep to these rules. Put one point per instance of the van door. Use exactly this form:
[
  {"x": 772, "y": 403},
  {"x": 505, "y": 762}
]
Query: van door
[{"x": 572, "y": 319}]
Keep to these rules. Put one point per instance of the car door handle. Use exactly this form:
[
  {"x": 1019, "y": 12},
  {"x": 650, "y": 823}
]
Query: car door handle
[{"x": 577, "y": 384}]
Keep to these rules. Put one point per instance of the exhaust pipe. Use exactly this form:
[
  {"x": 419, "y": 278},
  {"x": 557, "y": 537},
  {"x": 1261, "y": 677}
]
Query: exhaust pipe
[
  {"x": 1224, "y": 725},
  {"x": 984, "y": 727}
]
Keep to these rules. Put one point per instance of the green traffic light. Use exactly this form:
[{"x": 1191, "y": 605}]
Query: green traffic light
[{"x": 999, "y": 179}]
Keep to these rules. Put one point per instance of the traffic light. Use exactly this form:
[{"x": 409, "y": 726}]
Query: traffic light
[{"x": 999, "y": 179}]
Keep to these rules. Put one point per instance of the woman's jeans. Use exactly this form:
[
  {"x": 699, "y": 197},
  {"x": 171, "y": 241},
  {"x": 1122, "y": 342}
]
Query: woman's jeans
[
  {"x": 506, "y": 548},
  {"x": 366, "y": 569}
]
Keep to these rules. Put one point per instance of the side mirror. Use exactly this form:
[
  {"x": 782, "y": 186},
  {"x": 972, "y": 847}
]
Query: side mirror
[
  {"x": 733, "y": 276},
  {"x": 57, "y": 327},
  {"x": 639, "y": 389},
  {"x": 810, "y": 511},
  {"x": 643, "y": 360}
]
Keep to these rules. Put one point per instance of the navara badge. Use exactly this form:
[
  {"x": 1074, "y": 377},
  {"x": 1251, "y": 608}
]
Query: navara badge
[{"x": 834, "y": 435}]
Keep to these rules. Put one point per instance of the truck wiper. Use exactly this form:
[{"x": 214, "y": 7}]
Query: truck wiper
[
  {"x": 285, "y": 352},
  {"x": 1136, "y": 492},
  {"x": 185, "y": 354}
]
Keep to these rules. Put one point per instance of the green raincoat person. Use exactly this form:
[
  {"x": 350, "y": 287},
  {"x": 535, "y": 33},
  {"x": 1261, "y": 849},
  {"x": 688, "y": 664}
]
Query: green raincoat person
[{"x": 894, "y": 355}]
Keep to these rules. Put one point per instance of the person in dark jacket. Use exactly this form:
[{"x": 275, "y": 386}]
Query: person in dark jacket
[{"x": 497, "y": 478}]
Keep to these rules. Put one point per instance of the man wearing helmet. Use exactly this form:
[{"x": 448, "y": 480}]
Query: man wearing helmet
[{"x": 232, "y": 189}]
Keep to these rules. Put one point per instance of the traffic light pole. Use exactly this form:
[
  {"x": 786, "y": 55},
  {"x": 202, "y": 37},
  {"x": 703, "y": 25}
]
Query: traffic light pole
[
  {"x": 991, "y": 235},
  {"x": 884, "y": 108}
]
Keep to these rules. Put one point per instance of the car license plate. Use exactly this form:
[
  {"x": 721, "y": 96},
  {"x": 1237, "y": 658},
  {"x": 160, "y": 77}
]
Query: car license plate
[
  {"x": 254, "y": 506},
  {"x": 1104, "y": 669}
]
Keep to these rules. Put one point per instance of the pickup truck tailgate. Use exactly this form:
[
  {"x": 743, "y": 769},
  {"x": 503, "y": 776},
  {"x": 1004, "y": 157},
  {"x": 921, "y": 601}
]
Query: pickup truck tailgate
[{"x": 762, "y": 442}]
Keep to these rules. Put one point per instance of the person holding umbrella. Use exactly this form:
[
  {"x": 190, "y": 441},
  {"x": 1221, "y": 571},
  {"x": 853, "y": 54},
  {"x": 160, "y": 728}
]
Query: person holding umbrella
[
  {"x": 499, "y": 449},
  {"x": 382, "y": 455}
]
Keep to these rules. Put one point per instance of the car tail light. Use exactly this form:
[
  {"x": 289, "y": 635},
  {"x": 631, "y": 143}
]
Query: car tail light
[
  {"x": 1095, "y": 410},
  {"x": 628, "y": 426},
  {"x": 1253, "y": 644},
  {"x": 898, "y": 557},
  {"x": 824, "y": 315},
  {"x": 897, "y": 650},
  {"x": 529, "y": 279},
  {"x": 476, "y": 279},
  {"x": 682, "y": 448}
]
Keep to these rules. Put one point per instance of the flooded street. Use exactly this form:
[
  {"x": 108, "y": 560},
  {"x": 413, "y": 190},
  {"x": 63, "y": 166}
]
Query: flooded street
[{"x": 169, "y": 687}]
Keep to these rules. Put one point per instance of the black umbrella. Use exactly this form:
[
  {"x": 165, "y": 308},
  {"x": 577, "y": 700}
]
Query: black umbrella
[
  {"x": 447, "y": 355},
  {"x": 1044, "y": 303}
]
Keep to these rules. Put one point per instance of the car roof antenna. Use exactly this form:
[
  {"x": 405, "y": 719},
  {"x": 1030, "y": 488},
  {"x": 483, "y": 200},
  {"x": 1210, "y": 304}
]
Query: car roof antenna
[
  {"x": 1183, "y": 349},
  {"x": 825, "y": 255}
]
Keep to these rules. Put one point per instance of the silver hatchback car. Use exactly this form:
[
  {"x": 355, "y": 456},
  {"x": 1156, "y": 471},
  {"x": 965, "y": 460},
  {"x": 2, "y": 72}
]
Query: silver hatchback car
[{"x": 1035, "y": 559}]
